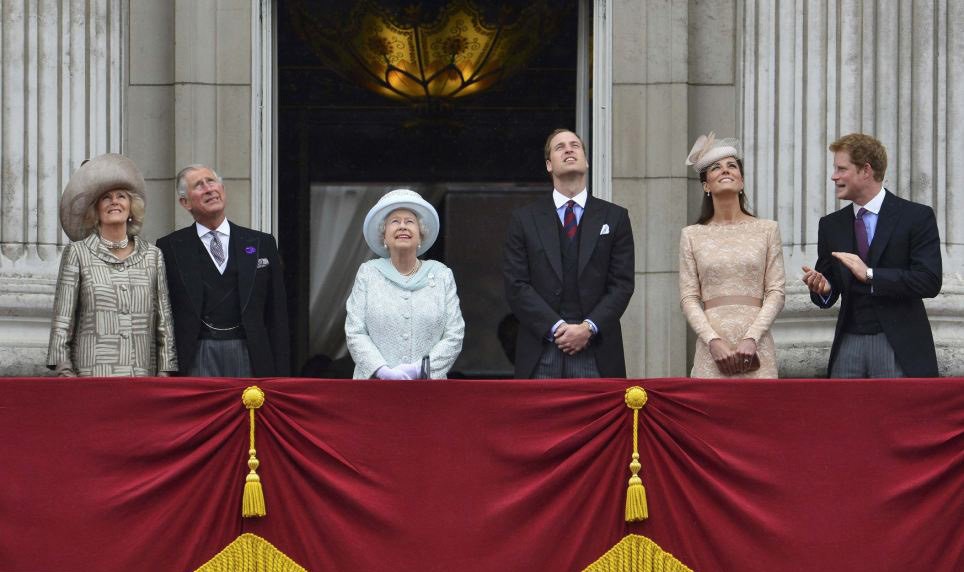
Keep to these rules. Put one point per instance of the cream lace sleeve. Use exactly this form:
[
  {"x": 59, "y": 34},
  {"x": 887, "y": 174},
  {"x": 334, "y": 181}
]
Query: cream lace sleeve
[
  {"x": 774, "y": 281},
  {"x": 691, "y": 296}
]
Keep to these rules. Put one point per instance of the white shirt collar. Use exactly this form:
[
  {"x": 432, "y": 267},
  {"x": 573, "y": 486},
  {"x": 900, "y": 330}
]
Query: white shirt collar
[
  {"x": 874, "y": 204},
  {"x": 223, "y": 229},
  {"x": 561, "y": 199}
]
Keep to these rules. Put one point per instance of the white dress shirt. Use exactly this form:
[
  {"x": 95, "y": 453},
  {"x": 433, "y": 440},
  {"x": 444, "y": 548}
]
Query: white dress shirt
[{"x": 224, "y": 236}]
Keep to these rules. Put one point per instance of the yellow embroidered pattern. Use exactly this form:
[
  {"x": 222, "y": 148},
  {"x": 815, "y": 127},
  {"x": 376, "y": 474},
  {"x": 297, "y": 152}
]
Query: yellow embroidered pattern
[
  {"x": 635, "y": 553},
  {"x": 250, "y": 553}
]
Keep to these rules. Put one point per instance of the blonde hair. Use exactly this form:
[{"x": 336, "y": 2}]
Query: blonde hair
[{"x": 134, "y": 225}]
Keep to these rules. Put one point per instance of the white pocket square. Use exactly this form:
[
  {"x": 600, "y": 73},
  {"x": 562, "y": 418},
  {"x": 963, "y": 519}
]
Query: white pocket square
[
  {"x": 604, "y": 230},
  {"x": 262, "y": 262}
]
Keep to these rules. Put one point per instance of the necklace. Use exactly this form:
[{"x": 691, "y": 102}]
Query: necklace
[
  {"x": 114, "y": 245},
  {"x": 418, "y": 264}
]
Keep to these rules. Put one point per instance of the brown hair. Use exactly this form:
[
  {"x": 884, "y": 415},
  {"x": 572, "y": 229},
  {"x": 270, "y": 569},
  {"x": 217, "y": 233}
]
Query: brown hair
[
  {"x": 707, "y": 211},
  {"x": 863, "y": 150},
  {"x": 552, "y": 135}
]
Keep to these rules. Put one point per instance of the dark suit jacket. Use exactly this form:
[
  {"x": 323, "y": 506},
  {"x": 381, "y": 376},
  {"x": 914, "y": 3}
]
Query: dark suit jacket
[
  {"x": 263, "y": 307},
  {"x": 906, "y": 258},
  {"x": 532, "y": 269}
]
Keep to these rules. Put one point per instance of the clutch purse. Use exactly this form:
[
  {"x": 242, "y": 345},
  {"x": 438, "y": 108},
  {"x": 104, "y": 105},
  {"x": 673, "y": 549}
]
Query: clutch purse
[{"x": 754, "y": 363}]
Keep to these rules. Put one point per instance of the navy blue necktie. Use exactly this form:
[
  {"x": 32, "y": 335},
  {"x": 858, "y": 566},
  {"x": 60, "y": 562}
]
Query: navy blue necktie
[{"x": 569, "y": 220}]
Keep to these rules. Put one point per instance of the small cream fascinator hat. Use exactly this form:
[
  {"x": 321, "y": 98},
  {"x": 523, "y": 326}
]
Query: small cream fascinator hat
[
  {"x": 394, "y": 200},
  {"x": 708, "y": 150},
  {"x": 103, "y": 173}
]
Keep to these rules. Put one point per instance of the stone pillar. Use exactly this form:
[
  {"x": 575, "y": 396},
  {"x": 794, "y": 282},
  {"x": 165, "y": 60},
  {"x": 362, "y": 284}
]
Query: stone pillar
[
  {"x": 818, "y": 69},
  {"x": 212, "y": 96},
  {"x": 61, "y": 89},
  {"x": 649, "y": 133}
]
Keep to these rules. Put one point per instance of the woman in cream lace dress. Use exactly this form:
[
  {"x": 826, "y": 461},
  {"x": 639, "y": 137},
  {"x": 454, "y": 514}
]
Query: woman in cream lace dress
[{"x": 731, "y": 275}]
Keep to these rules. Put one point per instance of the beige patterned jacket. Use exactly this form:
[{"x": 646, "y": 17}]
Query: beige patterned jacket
[{"x": 111, "y": 317}]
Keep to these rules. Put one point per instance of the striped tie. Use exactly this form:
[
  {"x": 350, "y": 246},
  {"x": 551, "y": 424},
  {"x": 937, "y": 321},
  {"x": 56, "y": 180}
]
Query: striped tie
[
  {"x": 217, "y": 251},
  {"x": 569, "y": 221}
]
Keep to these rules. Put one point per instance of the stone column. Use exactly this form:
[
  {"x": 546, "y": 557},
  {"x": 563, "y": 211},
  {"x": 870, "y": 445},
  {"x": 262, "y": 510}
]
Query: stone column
[
  {"x": 817, "y": 69},
  {"x": 61, "y": 91},
  {"x": 649, "y": 132},
  {"x": 212, "y": 96}
]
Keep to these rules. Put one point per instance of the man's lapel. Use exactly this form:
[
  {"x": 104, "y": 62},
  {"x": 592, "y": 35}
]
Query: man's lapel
[
  {"x": 245, "y": 249},
  {"x": 548, "y": 228},
  {"x": 589, "y": 228},
  {"x": 186, "y": 249},
  {"x": 886, "y": 222}
]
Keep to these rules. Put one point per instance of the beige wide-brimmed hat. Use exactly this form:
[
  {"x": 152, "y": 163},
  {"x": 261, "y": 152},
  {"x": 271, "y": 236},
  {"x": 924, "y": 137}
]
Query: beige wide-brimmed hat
[
  {"x": 106, "y": 172},
  {"x": 400, "y": 199},
  {"x": 708, "y": 149}
]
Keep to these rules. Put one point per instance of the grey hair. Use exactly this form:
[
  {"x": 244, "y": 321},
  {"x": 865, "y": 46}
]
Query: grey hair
[
  {"x": 422, "y": 227},
  {"x": 180, "y": 182}
]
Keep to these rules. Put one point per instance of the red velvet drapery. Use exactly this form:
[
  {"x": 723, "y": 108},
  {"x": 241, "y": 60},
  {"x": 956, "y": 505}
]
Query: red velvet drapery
[{"x": 109, "y": 474}]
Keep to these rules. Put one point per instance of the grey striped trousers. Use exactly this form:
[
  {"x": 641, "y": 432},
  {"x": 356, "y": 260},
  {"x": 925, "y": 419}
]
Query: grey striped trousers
[
  {"x": 865, "y": 356},
  {"x": 555, "y": 364}
]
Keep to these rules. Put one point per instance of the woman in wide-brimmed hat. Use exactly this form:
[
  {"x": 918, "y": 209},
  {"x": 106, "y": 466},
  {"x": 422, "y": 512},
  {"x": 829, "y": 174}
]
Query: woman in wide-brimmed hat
[
  {"x": 731, "y": 276},
  {"x": 403, "y": 309},
  {"x": 112, "y": 316}
]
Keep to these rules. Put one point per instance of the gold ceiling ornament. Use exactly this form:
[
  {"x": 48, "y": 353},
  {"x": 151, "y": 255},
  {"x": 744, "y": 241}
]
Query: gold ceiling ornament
[{"x": 425, "y": 57}]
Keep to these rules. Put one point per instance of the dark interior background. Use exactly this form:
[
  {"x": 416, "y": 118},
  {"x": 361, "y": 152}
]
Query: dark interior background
[{"x": 487, "y": 148}]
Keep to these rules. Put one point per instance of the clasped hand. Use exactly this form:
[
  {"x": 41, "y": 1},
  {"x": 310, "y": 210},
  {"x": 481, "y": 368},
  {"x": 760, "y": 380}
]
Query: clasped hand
[
  {"x": 572, "y": 338},
  {"x": 400, "y": 372},
  {"x": 729, "y": 361}
]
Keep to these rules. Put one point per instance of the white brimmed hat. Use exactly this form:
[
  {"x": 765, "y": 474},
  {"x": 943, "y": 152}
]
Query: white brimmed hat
[
  {"x": 394, "y": 200},
  {"x": 708, "y": 150},
  {"x": 103, "y": 173}
]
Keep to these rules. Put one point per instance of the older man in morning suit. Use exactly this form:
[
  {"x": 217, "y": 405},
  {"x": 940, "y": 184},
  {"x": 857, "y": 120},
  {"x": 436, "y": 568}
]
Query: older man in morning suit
[
  {"x": 226, "y": 288},
  {"x": 569, "y": 267},
  {"x": 881, "y": 256}
]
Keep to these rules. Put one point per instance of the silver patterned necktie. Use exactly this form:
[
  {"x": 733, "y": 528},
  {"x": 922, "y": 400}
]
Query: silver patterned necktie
[{"x": 217, "y": 251}]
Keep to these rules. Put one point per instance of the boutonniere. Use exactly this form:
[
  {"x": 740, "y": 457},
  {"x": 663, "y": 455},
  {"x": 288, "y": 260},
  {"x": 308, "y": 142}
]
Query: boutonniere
[{"x": 250, "y": 250}]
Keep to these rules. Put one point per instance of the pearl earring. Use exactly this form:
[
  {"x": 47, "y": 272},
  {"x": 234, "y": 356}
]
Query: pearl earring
[{"x": 707, "y": 194}]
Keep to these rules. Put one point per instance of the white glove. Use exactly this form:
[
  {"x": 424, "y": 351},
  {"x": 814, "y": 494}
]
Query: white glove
[
  {"x": 412, "y": 370},
  {"x": 386, "y": 372}
]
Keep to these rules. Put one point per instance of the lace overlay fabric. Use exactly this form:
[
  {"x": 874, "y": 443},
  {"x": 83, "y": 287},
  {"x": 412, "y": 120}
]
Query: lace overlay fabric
[{"x": 744, "y": 259}]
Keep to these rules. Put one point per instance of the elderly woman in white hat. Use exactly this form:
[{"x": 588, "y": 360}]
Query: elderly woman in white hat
[
  {"x": 731, "y": 277},
  {"x": 112, "y": 316},
  {"x": 404, "y": 320}
]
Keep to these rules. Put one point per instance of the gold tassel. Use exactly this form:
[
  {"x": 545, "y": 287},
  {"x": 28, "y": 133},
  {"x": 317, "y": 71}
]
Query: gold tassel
[
  {"x": 636, "y": 507},
  {"x": 252, "y": 503}
]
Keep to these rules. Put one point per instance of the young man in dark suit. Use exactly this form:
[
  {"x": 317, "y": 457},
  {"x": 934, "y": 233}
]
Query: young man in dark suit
[
  {"x": 882, "y": 256},
  {"x": 226, "y": 288},
  {"x": 569, "y": 271}
]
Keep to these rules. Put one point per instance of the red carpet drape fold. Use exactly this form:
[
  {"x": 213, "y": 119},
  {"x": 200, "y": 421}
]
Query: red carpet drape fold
[{"x": 789, "y": 475}]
